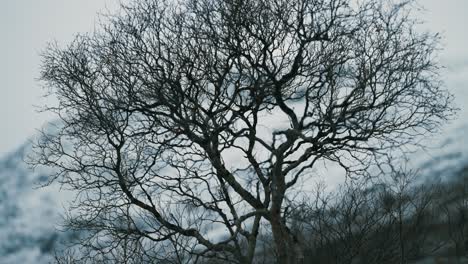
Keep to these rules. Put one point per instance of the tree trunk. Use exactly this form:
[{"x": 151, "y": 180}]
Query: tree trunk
[
  {"x": 282, "y": 240},
  {"x": 286, "y": 244},
  {"x": 289, "y": 249}
]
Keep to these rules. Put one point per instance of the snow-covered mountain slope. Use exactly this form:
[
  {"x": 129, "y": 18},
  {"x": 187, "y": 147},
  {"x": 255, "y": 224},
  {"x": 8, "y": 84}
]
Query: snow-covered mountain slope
[
  {"x": 30, "y": 216},
  {"x": 446, "y": 153},
  {"x": 445, "y": 158}
]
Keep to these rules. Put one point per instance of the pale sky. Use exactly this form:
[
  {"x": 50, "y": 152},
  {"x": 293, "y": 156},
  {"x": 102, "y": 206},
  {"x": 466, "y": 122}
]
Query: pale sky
[{"x": 27, "y": 25}]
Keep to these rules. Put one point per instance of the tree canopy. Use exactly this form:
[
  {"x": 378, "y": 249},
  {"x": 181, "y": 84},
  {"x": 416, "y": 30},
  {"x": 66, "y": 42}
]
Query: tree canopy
[{"x": 187, "y": 126}]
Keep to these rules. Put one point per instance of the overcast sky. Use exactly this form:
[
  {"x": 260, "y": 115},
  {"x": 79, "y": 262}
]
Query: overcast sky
[{"x": 27, "y": 25}]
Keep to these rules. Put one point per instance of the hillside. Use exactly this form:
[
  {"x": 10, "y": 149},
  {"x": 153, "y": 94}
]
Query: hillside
[
  {"x": 29, "y": 214},
  {"x": 30, "y": 222}
]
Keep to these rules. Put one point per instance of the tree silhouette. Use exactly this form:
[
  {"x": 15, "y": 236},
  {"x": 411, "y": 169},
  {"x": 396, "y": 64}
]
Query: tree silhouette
[{"x": 186, "y": 126}]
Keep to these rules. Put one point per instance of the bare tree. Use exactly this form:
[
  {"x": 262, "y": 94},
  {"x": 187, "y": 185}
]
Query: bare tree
[
  {"x": 196, "y": 119},
  {"x": 454, "y": 206},
  {"x": 371, "y": 221}
]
